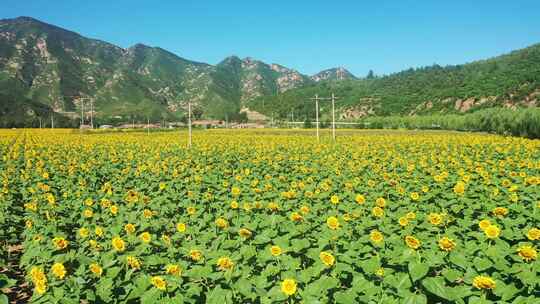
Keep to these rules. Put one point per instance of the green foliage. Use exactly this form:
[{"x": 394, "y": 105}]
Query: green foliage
[
  {"x": 520, "y": 122},
  {"x": 312, "y": 200},
  {"x": 510, "y": 77}
]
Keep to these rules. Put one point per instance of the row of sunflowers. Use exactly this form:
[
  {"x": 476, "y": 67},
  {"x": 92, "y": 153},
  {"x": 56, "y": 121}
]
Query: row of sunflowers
[{"x": 263, "y": 217}]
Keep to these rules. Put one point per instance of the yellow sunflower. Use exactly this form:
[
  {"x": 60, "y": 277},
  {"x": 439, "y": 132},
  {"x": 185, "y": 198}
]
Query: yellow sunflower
[
  {"x": 288, "y": 287},
  {"x": 327, "y": 258},
  {"x": 412, "y": 242},
  {"x": 332, "y": 223}
]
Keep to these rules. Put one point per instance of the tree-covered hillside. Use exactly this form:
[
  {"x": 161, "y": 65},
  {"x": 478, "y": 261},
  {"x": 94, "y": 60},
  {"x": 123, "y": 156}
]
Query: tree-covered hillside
[{"x": 511, "y": 80}]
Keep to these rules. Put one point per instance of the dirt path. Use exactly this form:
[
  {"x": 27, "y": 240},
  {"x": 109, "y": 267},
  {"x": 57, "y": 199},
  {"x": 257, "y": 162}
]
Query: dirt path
[{"x": 20, "y": 292}]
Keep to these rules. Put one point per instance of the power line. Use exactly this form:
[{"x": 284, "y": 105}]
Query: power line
[
  {"x": 333, "y": 99},
  {"x": 189, "y": 124},
  {"x": 82, "y": 100},
  {"x": 317, "y": 114}
]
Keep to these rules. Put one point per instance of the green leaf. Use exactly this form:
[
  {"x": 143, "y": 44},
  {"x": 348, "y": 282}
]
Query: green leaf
[
  {"x": 104, "y": 289},
  {"x": 371, "y": 265},
  {"x": 177, "y": 299},
  {"x": 58, "y": 292},
  {"x": 527, "y": 277},
  {"x": 6, "y": 282},
  {"x": 418, "y": 270},
  {"x": 360, "y": 284},
  {"x": 113, "y": 272},
  {"x": 219, "y": 296},
  {"x": 244, "y": 287},
  {"x": 261, "y": 239},
  {"x": 479, "y": 300},
  {"x": 459, "y": 260},
  {"x": 437, "y": 287},
  {"x": 451, "y": 274},
  {"x": 320, "y": 287},
  {"x": 247, "y": 252},
  {"x": 327, "y": 282},
  {"x": 309, "y": 273},
  {"x": 276, "y": 294},
  {"x": 192, "y": 289},
  {"x": 482, "y": 264},
  {"x": 151, "y": 296},
  {"x": 299, "y": 245},
  {"x": 400, "y": 281},
  {"x": 415, "y": 299},
  {"x": 199, "y": 272},
  {"x": 345, "y": 297},
  {"x": 506, "y": 292},
  {"x": 141, "y": 285},
  {"x": 4, "y": 299},
  {"x": 459, "y": 292}
]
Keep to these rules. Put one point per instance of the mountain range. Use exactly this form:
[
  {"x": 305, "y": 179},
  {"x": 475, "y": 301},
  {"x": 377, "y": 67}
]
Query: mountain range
[{"x": 46, "y": 70}]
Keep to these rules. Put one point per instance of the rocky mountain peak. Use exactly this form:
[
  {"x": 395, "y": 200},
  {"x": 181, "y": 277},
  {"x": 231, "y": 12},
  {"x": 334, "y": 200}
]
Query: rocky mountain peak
[{"x": 338, "y": 73}]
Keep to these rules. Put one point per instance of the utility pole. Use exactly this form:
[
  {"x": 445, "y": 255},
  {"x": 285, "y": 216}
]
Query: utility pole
[
  {"x": 52, "y": 120},
  {"x": 91, "y": 113},
  {"x": 333, "y": 99},
  {"x": 189, "y": 124},
  {"x": 39, "y": 122},
  {"x": 148, "y": 125},
  {"x": 317, "y": 114},
  {"x": 82, "y": 100},
  {"x": 333, "y": 117},
  {"x": 82, "y": 112}
]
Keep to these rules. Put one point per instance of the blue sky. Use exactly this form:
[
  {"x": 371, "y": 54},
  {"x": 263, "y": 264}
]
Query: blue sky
[{"x": 386, "y": 36}]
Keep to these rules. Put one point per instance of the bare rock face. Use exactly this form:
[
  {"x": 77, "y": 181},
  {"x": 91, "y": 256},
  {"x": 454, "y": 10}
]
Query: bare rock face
[
  {"x": 253, "y": 115},
  {"x": 257, "y": 78},
  {"x": 464, "y": 105},
  {"x": 41, "y": 45},
  {"x": 532, "y": 100},
  {"x": 424, "y": 106},
  {"x": 365, "y": 107},
  {"x": 290, "y": 80},
  {"x": 357, "y": 112}
]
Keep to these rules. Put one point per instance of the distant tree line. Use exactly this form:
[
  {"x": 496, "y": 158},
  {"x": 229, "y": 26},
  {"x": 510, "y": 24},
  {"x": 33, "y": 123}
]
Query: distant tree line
[
  {"x": 43, "y": 119},
  {"x": 521, "y": 122}
]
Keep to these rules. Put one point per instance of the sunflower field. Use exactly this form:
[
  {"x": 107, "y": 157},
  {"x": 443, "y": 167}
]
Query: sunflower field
[{"x": 271, "y": 216}]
